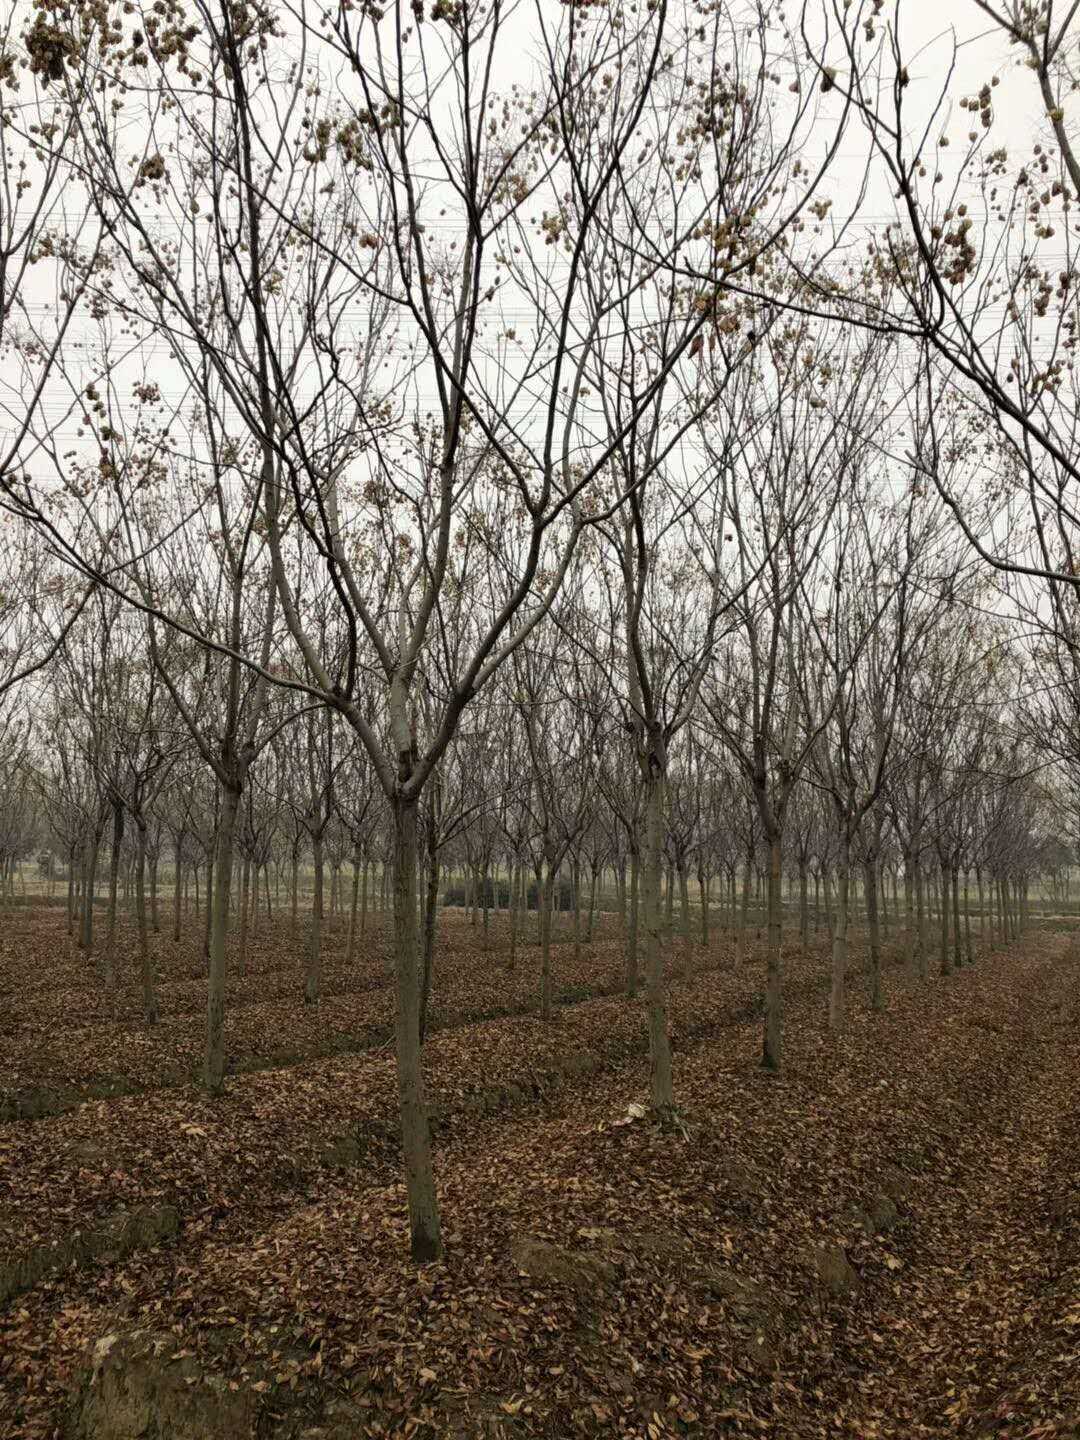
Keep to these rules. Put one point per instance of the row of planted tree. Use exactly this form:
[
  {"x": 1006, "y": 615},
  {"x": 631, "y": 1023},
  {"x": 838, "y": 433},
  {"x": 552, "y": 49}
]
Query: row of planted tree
[{"x": 541, "y": 805}]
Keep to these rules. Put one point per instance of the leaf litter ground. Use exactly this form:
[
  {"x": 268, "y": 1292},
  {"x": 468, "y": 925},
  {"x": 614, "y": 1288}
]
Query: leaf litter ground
[{"x": 602, "y": 1277}]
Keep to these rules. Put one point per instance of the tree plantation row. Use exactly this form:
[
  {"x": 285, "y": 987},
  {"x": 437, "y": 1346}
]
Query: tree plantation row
[{"x": 519, "y": 452}]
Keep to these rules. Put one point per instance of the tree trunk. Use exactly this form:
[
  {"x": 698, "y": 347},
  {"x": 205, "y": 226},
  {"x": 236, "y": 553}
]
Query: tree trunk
[
  {"x": 178, "y": 884},
  {"x": 313, "y": 969},
  {"x": 804, "y": 908},
  {"x": 967, "y": 919},
  {"x": 922, "y": 938},
  {"x": 155, "y": 916},
  {"x": 516, "y": 871},
  {"x": 364, "y": 899},
  {"x": 740, "y": 938},
  {"x": 837, "y": 997},
  {"x": 208, "y": 931},
  {"x": 575, "y": 885},
  {"x": 354, "y": 901},
  {"x": 245, "y": 885},
  {"x": 909, "y": 914},
  {"x": 485, "y": 904},
  {"x": 424, "y": 1227},
  {"x": 217, "y": 907},
  {"x": 89, "y": 885},
  {"x": 703, "y": 880},
  {"x": 661, "y": 1086},
  {"x": 684, "y": 906},
  {"x": 772, "y": 1042},
  {"x": 543, "y": 915},
  {"x": 114, "y": 875},
  {"x": 71, "y": 891},
  {"x": 594, "y": 878},
  {"x": 946, "y": 963},
  {"x": 295, "y": 893},
  {"x": 870, "y": 882},
  {"x": 146, "y": 960},
  {"x": 632, "y": 924},
  {"x": 431, "y": 910}
]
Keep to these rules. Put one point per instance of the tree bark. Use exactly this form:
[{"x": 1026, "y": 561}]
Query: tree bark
[
  {"x": 424, "y": 1227},
  {"x": 217, "y": 909},
  {"x": 516, "y": 871},
  {"x": 772, "y": 1040},
  {"x": 837, "y": 997},
  {"x": 245, "y": 885},
  {"x": 543, "y": 912},
  {"x": 146, "y": 960},
  {"x": 703, "y": 879},
  {"x": 313, "y": 969},
  {"x": 684, "y": 906},
  {"x": 178, "y": 883},
  {"x": 114, "y": 875},
  {"x": 354, "y": 901},
  {"x": 632, "y": 924},
  {"x": 431, "y": 910},
  {"x": 870, "y": 882},
  {"x": 661, "y": 1085}
]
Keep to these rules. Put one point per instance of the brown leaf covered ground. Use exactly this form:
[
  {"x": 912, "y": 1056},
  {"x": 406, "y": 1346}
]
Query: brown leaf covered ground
[{"x": 681, "y": 1294}]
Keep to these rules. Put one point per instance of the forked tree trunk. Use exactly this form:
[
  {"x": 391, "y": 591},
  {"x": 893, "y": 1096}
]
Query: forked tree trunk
[
  {"x": 218, "y": 910},
  {"x": 424, "y": 1227},
  {"x": 772, "y": 1040}
]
